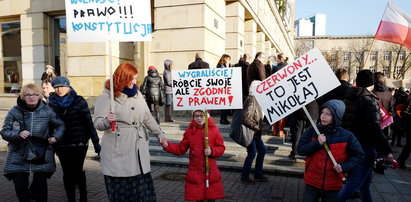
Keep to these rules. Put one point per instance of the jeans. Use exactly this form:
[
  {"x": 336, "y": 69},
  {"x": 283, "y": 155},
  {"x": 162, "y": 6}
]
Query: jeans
[
  {"x": 360, "y": 178},
  {"x": 313, "y": 194},
  {"x": 37, "y": 190},
  {"x": 256, "y": 146}
]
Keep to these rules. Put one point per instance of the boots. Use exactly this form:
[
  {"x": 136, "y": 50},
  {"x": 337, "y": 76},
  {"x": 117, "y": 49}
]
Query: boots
[
  {"x": 156, "y": 113},
  {"x": 167, "y": 114},
  {"x": 82, "y": 186}
]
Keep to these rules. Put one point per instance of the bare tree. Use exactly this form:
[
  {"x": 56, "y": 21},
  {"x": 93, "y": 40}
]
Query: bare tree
[
  {"x": 401, "y": 57},
  {"x": 302, "y": 46},
  {"x": 359, "y": 50}
]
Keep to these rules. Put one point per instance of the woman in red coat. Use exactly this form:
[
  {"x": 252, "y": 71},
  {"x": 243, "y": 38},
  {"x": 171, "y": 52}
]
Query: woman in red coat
[{"x": 194, "y": 139}]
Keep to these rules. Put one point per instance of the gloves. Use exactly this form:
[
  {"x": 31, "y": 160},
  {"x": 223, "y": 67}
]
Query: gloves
[{"x": 97, "y": 148}]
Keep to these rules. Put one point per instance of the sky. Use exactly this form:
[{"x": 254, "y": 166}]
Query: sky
[{"x": 348, "y": 17}]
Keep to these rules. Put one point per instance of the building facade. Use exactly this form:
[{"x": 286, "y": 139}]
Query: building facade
[
  {"x": 353, "y": 53},
  {"x": 312, "y": 26},
  {"x": 33, "y": 35}
]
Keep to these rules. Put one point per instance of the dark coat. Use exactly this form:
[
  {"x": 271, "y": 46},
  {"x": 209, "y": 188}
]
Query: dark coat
[
  {"x": 37, "y": 122},
  {"x": 193, "y": 140},
  {"x": 244, "y": 67},
  {"x": 278, "y": 67},
  {"x": 337, "y": 93},
  {"x": 77, "y": 117},
  {"x": 362, "y": 117},
  {"x": 384, "y": 96},
  {"x": 153, "y": 87},
  {"x": 256, "y": 71},
  {"x": 168, "y": 81},
  {"x": 199, "y": 64},
  {"x": 346, "y": 149}
]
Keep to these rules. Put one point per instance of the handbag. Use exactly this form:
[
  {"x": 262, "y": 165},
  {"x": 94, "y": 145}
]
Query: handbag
[
  {"x": 35, "y": 147},
  {"x": 35, "y": 150},
  {"x": 241, "y": 134}
]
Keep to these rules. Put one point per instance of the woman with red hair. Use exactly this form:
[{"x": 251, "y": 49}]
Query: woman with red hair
[{"x": 125, "y": 157}]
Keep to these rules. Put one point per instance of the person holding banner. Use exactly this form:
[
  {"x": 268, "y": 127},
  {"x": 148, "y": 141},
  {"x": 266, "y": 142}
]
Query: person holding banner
[
  {"x": 125, "y": 157},
  {"x": 194, "y": 136},
  {"x": 363, "y": 119},
  {"x": 321, "y": 176},
  {"x": 253, "y": 119},
  {"x": 224, "y": 62}
]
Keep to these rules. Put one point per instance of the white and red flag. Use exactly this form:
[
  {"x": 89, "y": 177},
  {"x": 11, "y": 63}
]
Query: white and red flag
[{"x": 395, "y": 26}]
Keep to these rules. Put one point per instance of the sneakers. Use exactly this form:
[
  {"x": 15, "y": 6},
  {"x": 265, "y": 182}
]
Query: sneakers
[
  {"x": 261, "y": 178},
  {"x": 248, "y": 181},
  {"x": 292, "y": 156}
]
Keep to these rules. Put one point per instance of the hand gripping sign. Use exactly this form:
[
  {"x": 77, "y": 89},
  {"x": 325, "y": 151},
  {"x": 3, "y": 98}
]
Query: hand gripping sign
[{"x": 294, "y": 86}]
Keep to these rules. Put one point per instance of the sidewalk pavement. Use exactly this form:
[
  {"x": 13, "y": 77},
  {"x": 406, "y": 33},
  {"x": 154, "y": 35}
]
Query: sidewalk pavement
[{"x": 394, "y": 186}]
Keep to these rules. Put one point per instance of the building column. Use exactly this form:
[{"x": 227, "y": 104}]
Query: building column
[
  {"x": 250, "y": 38},
  {"x": 33, "y": 46},
  {"x": 234, "y": 31},
  {"x": 183, "y": 28},
  {"x": 261, "y": 42},
  {"x": 269, "y": 50}
]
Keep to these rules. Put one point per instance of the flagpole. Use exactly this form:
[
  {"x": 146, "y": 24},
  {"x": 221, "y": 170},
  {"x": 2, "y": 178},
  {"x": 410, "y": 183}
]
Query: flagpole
[
  {"x": 369, "y": 53},
  {"x": 110, "y": 61},
  {"x": 207, "y": 170}
]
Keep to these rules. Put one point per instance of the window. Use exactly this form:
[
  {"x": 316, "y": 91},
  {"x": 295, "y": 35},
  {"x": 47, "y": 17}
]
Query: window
[
  {"x": 401, "y": 56},
  {"x": 346, "y": 56},
  {"x": 357, "y": 69},
  {"x": 398, "y": 70},
  {"x": 373, "y": 56},
  {"x": 10, "y": 64},
  {"x": 386, "y": 71},
  {"x": 59, "y": 45},
  {"x": 387, "y": 56},
  {"x": 360, "y": 56},
  {"x": 372, "y": 69}
]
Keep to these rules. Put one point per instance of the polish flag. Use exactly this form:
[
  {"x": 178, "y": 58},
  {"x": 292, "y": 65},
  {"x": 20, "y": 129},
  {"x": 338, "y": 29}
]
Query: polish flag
[{"x": 395, "y": 26}]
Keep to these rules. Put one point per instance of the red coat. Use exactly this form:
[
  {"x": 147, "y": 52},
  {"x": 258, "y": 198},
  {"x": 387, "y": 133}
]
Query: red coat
[{"x": 193, "y": 139}]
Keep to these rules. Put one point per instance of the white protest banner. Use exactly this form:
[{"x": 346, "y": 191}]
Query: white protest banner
[
  {"x": 218, "y": 88},
  {"x": 108, "y": 20},
  {"x": 295, "y": 85}
]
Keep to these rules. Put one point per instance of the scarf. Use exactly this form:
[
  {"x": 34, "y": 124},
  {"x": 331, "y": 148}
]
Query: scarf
[
  {"x": 130, "y": 92},
  {"x": 63, "y": 102}
]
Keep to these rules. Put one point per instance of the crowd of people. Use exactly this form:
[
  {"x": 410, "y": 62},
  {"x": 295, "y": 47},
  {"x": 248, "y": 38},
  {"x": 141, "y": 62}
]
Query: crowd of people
[{"x": 357, "y": 121}]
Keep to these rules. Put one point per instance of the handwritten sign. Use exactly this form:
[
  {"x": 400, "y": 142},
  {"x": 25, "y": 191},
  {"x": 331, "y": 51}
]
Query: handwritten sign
[
  {"x": 207, "y": 89},
  {"x": 104, "y": 20},
  {"x": 295, "y": 85}
]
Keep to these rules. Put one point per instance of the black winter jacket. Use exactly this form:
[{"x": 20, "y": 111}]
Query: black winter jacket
[
  {"x": 362, "y": 117},
  {"x": 199, "y": 64},
  {"x": 77, "y": 117},
  {"x": 153, "y": 87},
  {"x": 384, "y": 96}
]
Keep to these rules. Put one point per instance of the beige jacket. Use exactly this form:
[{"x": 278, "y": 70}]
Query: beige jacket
[{"x": 125, "y": 152}]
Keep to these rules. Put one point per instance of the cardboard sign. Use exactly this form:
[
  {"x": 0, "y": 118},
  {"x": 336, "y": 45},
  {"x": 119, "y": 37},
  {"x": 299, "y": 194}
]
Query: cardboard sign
[
  {"x": 295, "y": 85},
  {"x": 104, "y": 20},
  {"x": 219, "y": 88}
]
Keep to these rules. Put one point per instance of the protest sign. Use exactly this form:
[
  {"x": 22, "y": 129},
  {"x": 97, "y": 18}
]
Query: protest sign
[
  {"x": 295, "y": 85},
  {"x": 108, "y": 20},
  {"x": 207, "y": 89}
]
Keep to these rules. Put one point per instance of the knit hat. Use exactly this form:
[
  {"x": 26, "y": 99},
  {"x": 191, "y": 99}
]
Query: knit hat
[
  {"x": 49, "y": 66},
  {"x": 151, "y": 67},
  {"x": 365, "y": 78},
  {"x": 60, "y": 81}
]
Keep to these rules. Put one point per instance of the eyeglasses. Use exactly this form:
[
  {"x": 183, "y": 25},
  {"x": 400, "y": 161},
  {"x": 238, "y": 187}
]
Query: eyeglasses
[
  {"x": 199, "y": 116},
  {"x": 31, "y": 95}
]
